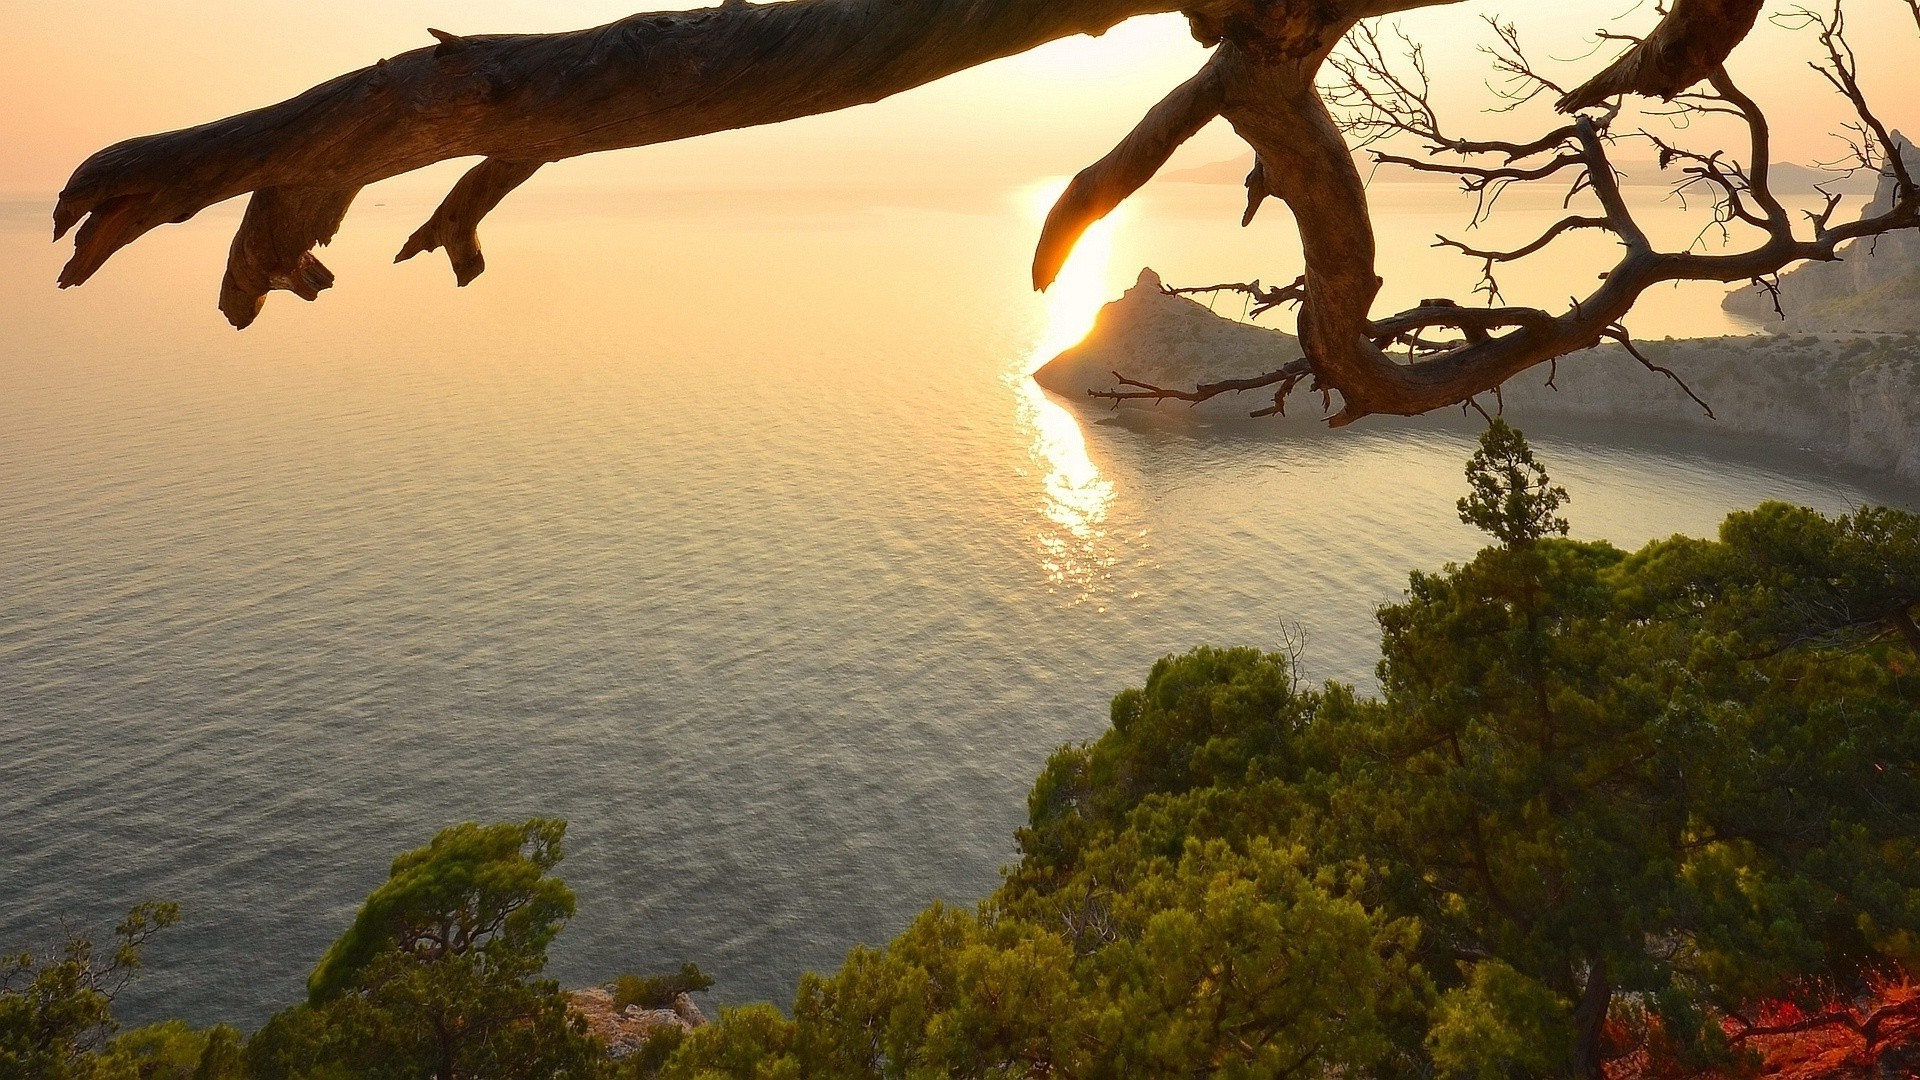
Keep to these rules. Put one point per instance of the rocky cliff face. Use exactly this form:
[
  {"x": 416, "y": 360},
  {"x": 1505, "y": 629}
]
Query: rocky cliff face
[
  {"x": 1874, "y": 287},
  {"x": 1849, "y": 396},
  {"x": 1853, "y": 396}
]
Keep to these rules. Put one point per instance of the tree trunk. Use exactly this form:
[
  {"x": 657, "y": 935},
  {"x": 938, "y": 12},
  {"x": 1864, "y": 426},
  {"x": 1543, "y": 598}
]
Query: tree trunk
[
  {"x": 1589, "y": 1023},
  {"x": 1903, "y": 620}
]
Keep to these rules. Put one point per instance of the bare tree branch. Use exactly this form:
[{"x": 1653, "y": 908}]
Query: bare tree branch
[
  {"x": 1287, "y": 377},
  {"x": 1494, "y": 344},
  {"x": 1263, "y": 298},
  {"x": 528, "y": 99},
  {"x": 1619, "y": 334},
  {"x": 1106, "y": 183}
]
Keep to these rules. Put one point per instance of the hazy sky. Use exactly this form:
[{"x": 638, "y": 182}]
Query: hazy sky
[{"x": 79, "y": 74}]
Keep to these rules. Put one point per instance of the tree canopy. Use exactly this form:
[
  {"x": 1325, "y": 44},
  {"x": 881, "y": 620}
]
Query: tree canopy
[{"x": 439, "y": 974}]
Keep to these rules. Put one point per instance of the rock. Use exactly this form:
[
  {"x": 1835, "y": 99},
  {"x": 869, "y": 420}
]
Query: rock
[
  {"x": 1875, "y": 286},
  {"x": 1882, "y": 413},
  {"x": 1847, "y": 396},
  {"x": 1854, "y": 397},
  {"x": 626, "y": 1031},
  {"x": 1175, "y": 342}
]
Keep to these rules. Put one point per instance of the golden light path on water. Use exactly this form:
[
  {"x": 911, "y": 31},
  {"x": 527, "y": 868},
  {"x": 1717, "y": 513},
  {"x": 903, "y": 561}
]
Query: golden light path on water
[{"x": 1075, "y": 551}]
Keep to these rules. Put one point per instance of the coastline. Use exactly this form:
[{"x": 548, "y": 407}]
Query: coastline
[{"x": 1852, "y": 396}]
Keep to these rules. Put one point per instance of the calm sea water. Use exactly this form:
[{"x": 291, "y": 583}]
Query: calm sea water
[{"x": 722, "y": 524}]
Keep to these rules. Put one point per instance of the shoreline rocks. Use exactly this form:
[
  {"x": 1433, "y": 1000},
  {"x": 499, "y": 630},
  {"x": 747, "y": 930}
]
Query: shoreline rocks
[{"x": 626, "y": 1031}]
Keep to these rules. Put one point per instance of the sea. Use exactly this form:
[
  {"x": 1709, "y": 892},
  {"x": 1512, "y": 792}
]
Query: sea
[{"x": 722, "y": 522}]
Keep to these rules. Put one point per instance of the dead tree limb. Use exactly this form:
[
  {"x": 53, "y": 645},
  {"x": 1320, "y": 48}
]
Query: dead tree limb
[
  {"x": 1106, "y": 183},
  {"x": 1687, "y": 46},
  {"x": 521, "y": 100},
  {"x": 1261, "y": 298},
  {"x": 1286, "y": 378}
]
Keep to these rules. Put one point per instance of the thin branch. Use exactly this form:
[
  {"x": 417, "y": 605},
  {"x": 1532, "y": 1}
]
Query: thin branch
[
  {"x": 1566, "y": 224},
  {"x": 1264, "y": 298},
  {"x": 1287, "y": 378},
  {"x": 1619, "y": 334}
]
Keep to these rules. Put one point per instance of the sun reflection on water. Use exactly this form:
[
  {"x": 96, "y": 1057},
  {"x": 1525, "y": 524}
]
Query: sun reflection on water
[{"x": 1076, "y": 552}]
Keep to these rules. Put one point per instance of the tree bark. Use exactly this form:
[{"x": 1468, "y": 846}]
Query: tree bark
[
  {"x": 1688, "y": 46},
  {"x": 1909, "y": 629},
  {"x": 1589, "y": 1023}
]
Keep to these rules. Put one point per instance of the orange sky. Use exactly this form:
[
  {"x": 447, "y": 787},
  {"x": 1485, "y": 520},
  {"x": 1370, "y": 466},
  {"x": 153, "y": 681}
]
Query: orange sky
[{"x": 83, "y": 73}]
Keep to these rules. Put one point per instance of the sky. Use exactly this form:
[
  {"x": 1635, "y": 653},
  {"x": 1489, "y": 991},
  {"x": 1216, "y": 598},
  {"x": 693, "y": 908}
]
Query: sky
[{"x": 80, "y": 74}]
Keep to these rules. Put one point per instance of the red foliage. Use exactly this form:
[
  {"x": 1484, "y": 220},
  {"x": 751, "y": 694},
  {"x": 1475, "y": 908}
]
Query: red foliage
[{"x": 1784, "y": 1040}]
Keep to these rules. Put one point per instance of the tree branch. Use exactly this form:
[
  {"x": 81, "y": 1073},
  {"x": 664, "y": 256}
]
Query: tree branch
[
  {"x": 1287, "y": 377},
  {"x": 529, "y": 99},
  {"x": 1106, "y": 183},
  {"x": 1688, "y": 45},
  {"x": 518, "y": 101}
]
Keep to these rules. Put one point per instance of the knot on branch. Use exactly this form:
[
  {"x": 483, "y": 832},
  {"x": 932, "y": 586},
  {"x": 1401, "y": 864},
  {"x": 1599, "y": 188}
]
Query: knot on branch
[
  {"x": 454, "y": 225},
  {"x": 1274, "y": 29},
  {"x": 450, "y": 44}
]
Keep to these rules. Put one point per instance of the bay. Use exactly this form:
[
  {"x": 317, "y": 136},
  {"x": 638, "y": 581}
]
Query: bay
[{"x": 722, "y": 523}]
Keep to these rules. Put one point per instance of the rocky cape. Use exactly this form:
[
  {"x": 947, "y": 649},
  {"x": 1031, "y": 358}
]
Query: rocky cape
[
  {"x": 1852, "y": 395},
  {"x": 1874, "y": 286}
]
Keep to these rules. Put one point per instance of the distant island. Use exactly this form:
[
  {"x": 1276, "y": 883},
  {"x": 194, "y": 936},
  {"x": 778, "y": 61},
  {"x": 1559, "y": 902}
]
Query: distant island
[{"x": 1788, "y": 178}]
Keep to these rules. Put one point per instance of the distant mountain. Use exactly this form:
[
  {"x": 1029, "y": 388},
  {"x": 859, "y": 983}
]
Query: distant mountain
[
  {"x": 1788, "y": 178},
  {"x": 1220, "y": 172},
  {"x": 1235, "y": 172}
]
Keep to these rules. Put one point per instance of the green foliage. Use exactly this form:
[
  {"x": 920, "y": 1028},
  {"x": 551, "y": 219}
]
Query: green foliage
[
  {"x": 658, "y": 991},
  {"x": 1211, "y": 730},
  {"x": 1644, "y": 774},
  {"x": 1512, "y": 498},
  {"x": 475, "y": 890},
  {"x": 436, "y": 976},
  {"x": 753, "y": 1042},
  {"x": 1790, "y": 575},
  {"x": 174, "y": 1050},
  {"x": 447, "y": 1018},
  {"x": 1498, "y": 1022},
  {"x": 56, "y": 1012}
]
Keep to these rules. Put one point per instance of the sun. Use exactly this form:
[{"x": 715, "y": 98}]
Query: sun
[{"x": 1076, "y": 296}]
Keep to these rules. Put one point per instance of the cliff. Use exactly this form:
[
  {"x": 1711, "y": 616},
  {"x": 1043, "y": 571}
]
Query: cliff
[
  {"x": 1874, "y": 287},
  {"x": 1854, "y": 397}
]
